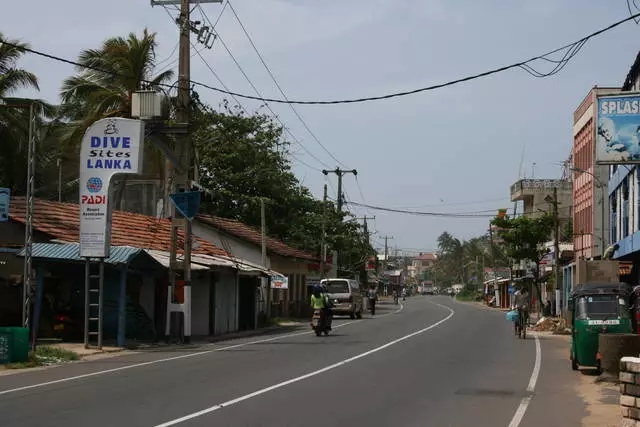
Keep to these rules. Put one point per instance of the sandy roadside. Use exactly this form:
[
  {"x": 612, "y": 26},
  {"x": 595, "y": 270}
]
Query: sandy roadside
[{"x": 602, "y": 399}]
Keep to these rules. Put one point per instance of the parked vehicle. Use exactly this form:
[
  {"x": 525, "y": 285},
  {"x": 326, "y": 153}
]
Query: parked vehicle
[
  {"x": 594, "y": 309},
  {"x": 346, "y": 296}
]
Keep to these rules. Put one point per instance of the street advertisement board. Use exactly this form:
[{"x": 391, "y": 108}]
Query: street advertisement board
[
  {"x": 5, "y": 197},
  {"x": 109, "y": 147},
  {"x": 618, "y": 129},
  {"x": 279, "y": 282}
]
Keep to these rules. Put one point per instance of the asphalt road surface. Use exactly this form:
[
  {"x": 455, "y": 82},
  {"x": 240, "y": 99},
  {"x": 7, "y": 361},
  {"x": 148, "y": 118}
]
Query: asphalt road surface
[{"x": 431, "y": 362}]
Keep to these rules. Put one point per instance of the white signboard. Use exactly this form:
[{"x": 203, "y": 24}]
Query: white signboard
[
  {"x": 279, "y": 282},
  {"x": 109, "y": 147},
  {"x": 618, "y": 129},
  {"x": 604, "y": 322}
]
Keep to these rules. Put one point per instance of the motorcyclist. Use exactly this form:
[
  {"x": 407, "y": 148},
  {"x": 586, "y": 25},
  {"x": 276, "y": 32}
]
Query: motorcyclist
[
  {"x": 319, "y": 302},
  {"x": 328, "y": 305},
  {"x": 372, "y": 295},
  {"x": 395, "y": 296},
  {"x": 404, "y": 294}
]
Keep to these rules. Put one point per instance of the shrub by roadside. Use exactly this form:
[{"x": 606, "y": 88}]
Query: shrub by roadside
[
  {"x": 45, "y": 355},
  {"x": 467, "y": 295}
]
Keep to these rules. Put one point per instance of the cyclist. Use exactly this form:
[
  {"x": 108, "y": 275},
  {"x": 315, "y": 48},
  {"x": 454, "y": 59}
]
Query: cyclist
[{"x": 522, "y": 305}]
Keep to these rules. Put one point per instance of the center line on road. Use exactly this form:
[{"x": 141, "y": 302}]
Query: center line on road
[
  {"x": 308, "y": 375},
  {"x": 524, "y": 403},
  {"x": 169, "y": 359}
]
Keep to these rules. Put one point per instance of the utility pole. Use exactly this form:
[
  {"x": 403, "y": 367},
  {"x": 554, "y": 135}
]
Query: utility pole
[
  {"x": 556, "y": 251},
  {"x": 363, "y": 273},
  {"x": 340, "y": 173},
  {"x": 323, "y": 237},
  {"x": 263, "y": 239},
  {"x": 386, "y": 255},
  {"x": 179, "y": 178},
  {"x": 493, "y": 266}
]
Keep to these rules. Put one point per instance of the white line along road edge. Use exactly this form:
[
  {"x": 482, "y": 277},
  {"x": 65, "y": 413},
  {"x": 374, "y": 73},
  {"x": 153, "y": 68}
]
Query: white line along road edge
[
  {"x": 305, "y": 376},
  {"x": 169, "y": 359},
  {"x": 524, "y": 403}
]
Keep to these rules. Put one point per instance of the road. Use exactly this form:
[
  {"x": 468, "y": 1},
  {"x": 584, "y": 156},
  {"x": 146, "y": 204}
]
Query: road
[{"x": 431, "y": 362}]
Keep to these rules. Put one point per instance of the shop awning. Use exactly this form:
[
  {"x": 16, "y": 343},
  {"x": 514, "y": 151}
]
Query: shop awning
[{"x": 207, "y": 262}]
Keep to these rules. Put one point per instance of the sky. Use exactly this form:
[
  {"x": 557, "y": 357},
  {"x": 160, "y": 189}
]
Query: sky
[{"x": 455, "y": 149}]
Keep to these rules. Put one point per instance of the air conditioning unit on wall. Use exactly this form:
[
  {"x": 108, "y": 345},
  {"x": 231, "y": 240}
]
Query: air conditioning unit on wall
[{"x": 149, "y": 104}]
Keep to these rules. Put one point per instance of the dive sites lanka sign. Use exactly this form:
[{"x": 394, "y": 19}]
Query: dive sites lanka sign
[
  {"x": 109, "y": 147},
  {"x": 618, "y": 129}
]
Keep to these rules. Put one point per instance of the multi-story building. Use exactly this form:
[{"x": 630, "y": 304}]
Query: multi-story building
[
  {"x": 590, "y": 217},
  {"x": 537, "y": 197},
  {"x": 421, "y": 263},
  {"x": 624, "y": 196}
]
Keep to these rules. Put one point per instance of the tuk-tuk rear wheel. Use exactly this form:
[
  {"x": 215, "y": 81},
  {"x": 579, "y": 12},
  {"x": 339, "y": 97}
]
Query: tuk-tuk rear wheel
[{"x": 574, "y": 364}]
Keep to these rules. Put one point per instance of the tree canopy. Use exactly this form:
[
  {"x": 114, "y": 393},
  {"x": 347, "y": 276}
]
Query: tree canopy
[{"x": 242, "y": 158}]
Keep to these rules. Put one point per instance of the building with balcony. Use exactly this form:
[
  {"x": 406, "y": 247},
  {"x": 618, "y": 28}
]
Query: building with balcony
[
  {"x": 420, "y": 264},
  {"x": 590, "y": 216},
  {"x": 537, "y": 194}
]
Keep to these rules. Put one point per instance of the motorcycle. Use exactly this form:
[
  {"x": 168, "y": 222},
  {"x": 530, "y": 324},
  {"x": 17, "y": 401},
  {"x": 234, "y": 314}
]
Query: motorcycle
[{"x": 320, "y": 323}]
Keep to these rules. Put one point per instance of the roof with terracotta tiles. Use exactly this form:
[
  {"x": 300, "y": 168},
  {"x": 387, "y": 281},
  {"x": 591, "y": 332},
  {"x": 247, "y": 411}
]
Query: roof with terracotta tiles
[
  {"x": 427, "y": 257},
  {"x": 61, "y": 221},
  {"x": 252, "y": 235}
]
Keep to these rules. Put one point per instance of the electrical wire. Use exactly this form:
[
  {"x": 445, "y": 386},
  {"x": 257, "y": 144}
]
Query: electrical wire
[
  {"x": 199, "y": 53},
  {"x": 297, "y": 114},
  {"x": 255, "y": 89},
  {"x": 341, "y": 101},
  {"x": 635, "y": 6},
  {"x": 419, "y": 213}
]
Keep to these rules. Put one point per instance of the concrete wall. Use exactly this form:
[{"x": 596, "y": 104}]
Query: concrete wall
[
  {"x": 604, "y": 271},
  {"x": 238, "y": 247},
  {"x": 630, "y": 391}
]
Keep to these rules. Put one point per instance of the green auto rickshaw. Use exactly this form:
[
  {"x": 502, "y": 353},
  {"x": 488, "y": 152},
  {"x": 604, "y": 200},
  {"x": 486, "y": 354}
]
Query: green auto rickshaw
[{"x": 597, "y": 308}]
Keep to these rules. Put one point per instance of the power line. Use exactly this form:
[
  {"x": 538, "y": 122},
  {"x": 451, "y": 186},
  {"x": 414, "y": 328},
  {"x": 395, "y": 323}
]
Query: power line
[
  {"x": 304, "y": 123},
  {"x": 255, "y": 89},
  {"x": 419, "y": 213},
  {"x": 206, "y": 63},
  {"x": 342, "y": 101}
]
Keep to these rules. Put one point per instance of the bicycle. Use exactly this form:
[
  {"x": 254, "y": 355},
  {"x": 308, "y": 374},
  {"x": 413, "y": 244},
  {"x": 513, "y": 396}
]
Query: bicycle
[{"x": 521, "y": 324}]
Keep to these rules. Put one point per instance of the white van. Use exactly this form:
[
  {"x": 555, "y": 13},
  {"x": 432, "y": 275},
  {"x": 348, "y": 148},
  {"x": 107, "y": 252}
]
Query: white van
[{"x": 346, "y": 296}]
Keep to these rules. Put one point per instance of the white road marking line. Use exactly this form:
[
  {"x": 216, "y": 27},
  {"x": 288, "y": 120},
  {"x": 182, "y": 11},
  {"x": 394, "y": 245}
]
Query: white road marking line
[
  {"x": 524, "y": 403},
  {"x": 169, "y": 359},
  {"x": 305, "y": 376}
]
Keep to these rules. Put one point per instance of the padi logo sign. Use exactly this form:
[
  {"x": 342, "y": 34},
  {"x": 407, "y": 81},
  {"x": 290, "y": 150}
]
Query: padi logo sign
[
  {"x": 93, "y": 200},
  {"x": 94, "y": 184},
  {"x": 110, "y": 147}
]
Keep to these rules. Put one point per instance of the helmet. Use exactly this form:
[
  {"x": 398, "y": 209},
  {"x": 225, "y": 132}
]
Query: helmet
[{"x": 316, "y": 289}]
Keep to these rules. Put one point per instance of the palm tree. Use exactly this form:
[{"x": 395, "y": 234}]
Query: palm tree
[
  {"x": 14, "y": 118},
  {"x": 106, "y": 79}
]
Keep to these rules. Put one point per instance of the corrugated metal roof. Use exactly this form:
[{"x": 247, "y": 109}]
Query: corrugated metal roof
[{"x": 71, "y": 252}]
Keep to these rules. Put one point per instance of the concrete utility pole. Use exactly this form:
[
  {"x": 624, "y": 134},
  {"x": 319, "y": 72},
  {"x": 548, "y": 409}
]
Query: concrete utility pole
[
  {"x": 386, "y": 252},
  {"x": 263, "y": 240},
  {"x": 323, "y": 237},
  {"x": 493, "y": 265},
  {"x": 179, "y": 178},
  {"x": 340, "y": 174},
  {"x": 556, "y": 251}
]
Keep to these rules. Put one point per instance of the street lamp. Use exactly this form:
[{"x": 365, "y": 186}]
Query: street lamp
[{"x": 601, "y": 186}]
